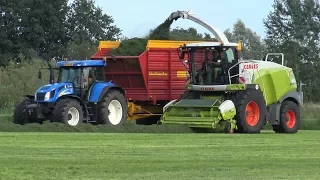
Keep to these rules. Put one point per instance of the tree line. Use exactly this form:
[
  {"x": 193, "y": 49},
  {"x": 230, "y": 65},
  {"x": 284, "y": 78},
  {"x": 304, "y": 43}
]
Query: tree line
[
  {"x": 55, "y": 29},
  {"x": 50, "y": 29}
]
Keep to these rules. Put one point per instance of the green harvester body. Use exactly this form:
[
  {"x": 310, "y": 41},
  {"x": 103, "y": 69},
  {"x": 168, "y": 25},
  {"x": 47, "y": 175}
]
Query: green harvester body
[{"x": 275, "y": 82}]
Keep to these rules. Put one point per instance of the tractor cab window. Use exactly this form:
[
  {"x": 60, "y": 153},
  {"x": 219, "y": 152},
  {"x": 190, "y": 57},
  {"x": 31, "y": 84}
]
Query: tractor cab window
[
  {"x": 70, "y": 75},
  {"x": 209, "y": 65},
  {"x": 91, "y": 75}
]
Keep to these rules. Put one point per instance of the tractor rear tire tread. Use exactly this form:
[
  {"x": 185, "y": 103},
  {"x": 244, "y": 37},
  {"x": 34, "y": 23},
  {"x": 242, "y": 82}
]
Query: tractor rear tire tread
[
  {"x": 103, "y": 111},
  {"x": 20, "y": 115}
]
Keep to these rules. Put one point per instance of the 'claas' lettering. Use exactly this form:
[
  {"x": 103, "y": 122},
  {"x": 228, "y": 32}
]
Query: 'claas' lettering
[
  {"x": 251, "y": 66},
  {"x": 207, "y": 89}
]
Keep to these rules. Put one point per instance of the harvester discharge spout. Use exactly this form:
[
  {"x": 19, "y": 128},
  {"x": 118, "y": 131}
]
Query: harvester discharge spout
[{"x": 187, "y": 15}]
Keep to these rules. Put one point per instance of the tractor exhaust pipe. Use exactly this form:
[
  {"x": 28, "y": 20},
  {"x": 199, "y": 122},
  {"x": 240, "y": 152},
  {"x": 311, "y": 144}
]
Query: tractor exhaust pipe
[{"x": 51, "y": 80}]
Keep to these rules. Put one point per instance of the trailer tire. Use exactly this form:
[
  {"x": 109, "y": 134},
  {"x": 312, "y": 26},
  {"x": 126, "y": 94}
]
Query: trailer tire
[
  {"x": 289, "y": 118},
  {"x": 249, "y": 102},
  {"x": 21, "y": 116},
  {"x": 68, "y": 111},
  {"x": 112, "y": 109}
]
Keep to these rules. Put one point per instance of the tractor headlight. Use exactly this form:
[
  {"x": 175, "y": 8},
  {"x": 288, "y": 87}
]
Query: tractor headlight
[{"x": 47, "y": 96}]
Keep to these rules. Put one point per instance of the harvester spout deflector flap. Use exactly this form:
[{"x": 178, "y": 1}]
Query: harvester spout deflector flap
[{"x": 187, "y": 15}]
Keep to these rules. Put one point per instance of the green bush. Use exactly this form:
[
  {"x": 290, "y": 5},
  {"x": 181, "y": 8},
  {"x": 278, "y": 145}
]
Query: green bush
[{"x": 19, "y": 80}]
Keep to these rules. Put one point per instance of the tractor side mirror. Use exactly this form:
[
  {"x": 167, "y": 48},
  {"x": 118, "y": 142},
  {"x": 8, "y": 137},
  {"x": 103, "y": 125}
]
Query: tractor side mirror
[
  {"x": 182, "y": 54},
  {"x": 39, "y": 75},
  {"x": 185, "y": 63}
]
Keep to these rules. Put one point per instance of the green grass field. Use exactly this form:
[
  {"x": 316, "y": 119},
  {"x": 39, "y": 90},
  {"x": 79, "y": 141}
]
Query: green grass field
[{"x": 159, "y": 156}]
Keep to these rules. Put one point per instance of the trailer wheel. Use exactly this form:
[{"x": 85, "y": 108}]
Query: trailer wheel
[
  {"x": 21, "y": 115},
  {"x": 68, "y": 111},
  {"x": 251, "y": 111},
  {"x": 112, "y": 109},
  {"x": 289, "y": 118}
]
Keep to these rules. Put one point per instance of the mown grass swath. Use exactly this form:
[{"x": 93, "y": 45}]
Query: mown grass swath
[{"x": 159, "y": 156}]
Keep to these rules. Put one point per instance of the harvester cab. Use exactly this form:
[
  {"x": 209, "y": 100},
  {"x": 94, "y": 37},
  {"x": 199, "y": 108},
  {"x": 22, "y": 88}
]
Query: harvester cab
[
  {"x": 227, "y": 93},
  {"x": 80, "y": 93},
  {"x": 208, "y": 62}
]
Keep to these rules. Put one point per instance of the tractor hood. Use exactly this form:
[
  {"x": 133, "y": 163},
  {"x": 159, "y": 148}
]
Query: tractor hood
[{"x": 51, "y": 92}]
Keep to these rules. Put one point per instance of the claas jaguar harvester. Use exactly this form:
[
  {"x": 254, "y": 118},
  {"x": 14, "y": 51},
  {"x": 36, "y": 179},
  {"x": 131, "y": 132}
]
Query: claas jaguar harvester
[
  {"x": 80, "y": 94},
  {"x": 227, "y": 93}
]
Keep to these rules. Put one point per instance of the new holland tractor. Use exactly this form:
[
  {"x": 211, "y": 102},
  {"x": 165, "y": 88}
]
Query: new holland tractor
[
  {"x": 225, "y": 92},
  {"x": 80, "y": 94}
]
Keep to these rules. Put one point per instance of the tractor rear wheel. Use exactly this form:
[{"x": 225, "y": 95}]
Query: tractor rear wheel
[
  {"x": 21, "y": 114},
  {"x": 251, "y": 111},
  {"x": 289, "y": 118},
  {"x": 68, "y": 111},
  {"x": 112, "y": 109}
]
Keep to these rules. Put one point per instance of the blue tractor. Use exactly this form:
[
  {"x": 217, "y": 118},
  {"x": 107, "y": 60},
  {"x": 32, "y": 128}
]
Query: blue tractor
[{"x": 80, "y": 94}]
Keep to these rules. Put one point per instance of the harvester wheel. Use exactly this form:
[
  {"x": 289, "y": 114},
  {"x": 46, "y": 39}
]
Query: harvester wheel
[
  {"x": 112, "y": 108},
  {"x": 21, "y": 115},
  {"x": 289, "y": 118},
  {"x": 68, "y": 111},
  {"x": 251, "y": 111}
]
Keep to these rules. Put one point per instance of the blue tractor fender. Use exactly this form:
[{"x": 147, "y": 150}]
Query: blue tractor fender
[{"x": 99, "y": 89}]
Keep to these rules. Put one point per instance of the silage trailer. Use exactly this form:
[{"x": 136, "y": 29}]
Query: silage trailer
[{"x": 150, "y": 80}]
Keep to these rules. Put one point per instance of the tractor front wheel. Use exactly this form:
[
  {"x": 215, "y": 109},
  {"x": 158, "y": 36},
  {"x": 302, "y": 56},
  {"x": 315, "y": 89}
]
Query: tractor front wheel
[
  {"x": 112, "y": 109},
  {"x": 251, "y": 111},
  {"x": 289, "y": 118},
  {"x": 68, "y": 111},
  {"x": 21, "y": 114}
]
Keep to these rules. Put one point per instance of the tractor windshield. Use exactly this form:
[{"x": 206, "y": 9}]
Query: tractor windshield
[
  {"x": 70, "y": 75},
  {"x": 87, "y": 75},
  {"x": 209, "y": 66}
]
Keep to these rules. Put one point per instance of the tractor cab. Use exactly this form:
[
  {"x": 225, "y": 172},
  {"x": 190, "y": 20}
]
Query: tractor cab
[
  {"x": 82, "y": 75},
  {"x": 208, "y": 62},
  {"x": 74, "y": 77}
]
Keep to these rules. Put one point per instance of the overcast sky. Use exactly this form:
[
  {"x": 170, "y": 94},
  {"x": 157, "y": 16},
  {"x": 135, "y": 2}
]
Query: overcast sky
[{"x": 137, "y": 17}]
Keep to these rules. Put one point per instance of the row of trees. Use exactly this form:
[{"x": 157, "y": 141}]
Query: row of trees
[
  {"x": 46, "y": 29},
  {"x": 51, "y": 28}
]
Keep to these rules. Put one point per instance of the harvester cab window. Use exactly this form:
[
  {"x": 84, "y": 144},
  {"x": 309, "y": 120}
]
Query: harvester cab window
[
  {"x": 211, "y": 65},
  {"x": 229, "y": 56}
]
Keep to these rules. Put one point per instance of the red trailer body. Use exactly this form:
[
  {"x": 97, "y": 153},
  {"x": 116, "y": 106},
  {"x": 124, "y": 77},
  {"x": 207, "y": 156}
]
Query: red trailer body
[{"x": 150, "y": 80}]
